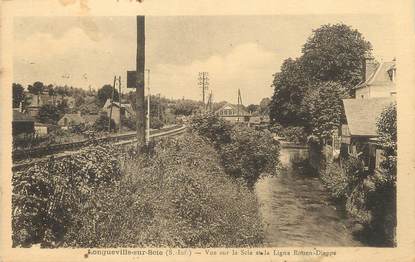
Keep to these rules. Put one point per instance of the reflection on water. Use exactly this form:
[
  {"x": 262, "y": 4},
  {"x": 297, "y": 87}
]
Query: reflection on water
[{"x": 296, "y": 209}]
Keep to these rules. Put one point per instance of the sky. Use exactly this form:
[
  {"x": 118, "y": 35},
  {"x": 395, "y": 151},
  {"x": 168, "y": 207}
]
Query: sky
[{"x": 239, "y": 52}]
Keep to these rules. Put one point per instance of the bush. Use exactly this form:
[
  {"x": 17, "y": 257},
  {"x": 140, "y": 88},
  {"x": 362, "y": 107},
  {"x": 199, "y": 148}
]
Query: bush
[
  {"x": 156, "y": 123},
  {"x": 101, "y": 124},
  {"x": 180, "y": 197},
  {"x": 295, "y": 134},
  {"x": 336, "y": 181},
  {"x": 210, "y": 126},
  {"x": 46, "y": 197},
  {"x": 245, "y": 152},
  {"x": 250, "y": 154}
]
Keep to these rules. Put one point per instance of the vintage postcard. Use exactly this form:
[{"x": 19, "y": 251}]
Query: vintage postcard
[{"x": 207, "y": 130}]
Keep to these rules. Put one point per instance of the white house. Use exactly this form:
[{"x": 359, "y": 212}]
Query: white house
[{"x": 379, "y": 80}]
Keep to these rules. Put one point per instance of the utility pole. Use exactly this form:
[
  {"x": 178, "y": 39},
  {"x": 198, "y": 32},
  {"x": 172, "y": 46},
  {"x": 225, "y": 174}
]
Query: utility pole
[
  {"x": 120, "y": 97},
  {"x": 140, "y": 63},
  {"x": 210, "y": 102},
  {"x": 111, "y": 102},
  {"x": 239, "y": 102},
  {"x": 148, "y": 107},
  {"x": 158, "y": 106},
  {"x": 204, "y": 84}
]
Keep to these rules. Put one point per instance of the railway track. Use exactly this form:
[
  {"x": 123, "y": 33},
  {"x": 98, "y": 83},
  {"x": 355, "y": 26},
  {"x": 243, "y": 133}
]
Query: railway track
[{"x": 62, "y": 150}]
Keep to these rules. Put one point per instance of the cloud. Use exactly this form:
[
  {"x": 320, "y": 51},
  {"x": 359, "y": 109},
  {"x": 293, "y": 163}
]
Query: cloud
[
  {"x": 43, "y": 57},
  {"x": 247, "y": 67}
]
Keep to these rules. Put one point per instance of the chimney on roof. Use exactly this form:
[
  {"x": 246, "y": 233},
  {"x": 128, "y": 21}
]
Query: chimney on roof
[{"x": 369, "y": 68}]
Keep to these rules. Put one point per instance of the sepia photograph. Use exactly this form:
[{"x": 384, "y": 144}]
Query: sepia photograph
[
  {"x": 204, "y": 131},
  {"x": 150, "y": 135}
]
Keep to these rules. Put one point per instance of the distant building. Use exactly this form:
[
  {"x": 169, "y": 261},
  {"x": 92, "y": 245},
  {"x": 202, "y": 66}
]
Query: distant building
[
  {"x": 360, "y": 132},
  {"x": 125, "y": 110},
  {"x": 233, "y": 114},
  {"x": 378, "y": 80},
  {"x": 22, "y": 124},
  {"x": 35, "y": 102},
  {"x": 69, "y": 120}
]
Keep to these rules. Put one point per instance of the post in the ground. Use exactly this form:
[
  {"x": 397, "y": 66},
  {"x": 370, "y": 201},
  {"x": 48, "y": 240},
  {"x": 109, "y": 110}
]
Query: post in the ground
[{"x": 140, "y": 82}]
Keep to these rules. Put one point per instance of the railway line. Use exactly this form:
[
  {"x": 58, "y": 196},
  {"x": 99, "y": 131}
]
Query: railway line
[{"x": 25, "y": 158}]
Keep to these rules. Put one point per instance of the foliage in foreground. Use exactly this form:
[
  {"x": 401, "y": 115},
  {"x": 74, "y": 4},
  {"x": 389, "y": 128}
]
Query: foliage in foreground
[
  {"x": 180, "y": 197},
  {"x": 47, "y": 196},
  {"x": 244, "y": 152}
]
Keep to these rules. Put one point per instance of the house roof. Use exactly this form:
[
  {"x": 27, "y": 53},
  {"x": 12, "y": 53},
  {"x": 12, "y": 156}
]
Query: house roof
[
  {"x": 242, "y": 111},
  {"x": 117, "y": 104},
  {"x": 380, "y": 76},
  {"x": 75, "y": 118},
  {"x": 20, "y": 117},
  {"x": 362, "y": 114}
]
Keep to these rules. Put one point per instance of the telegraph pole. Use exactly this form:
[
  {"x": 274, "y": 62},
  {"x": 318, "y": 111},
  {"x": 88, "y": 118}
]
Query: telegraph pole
[
  {"x": 140, "y": 63},
  {"x": 158, "y": 106},
  {"x": 119, "y": 97},
  {"x": 148, "y": 107},
  {"x": 239, "y": 102},
  {"x": 204, "y": 84},
  {"x": 111, "y": 102}
]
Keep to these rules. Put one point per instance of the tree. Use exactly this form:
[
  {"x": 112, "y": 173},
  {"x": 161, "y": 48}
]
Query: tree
[
  {"x": 264, "y": 105},
  {"x": 387, "y": 130},
  {"x": 105, "y": 93},
  {"x": 18, "y": 94},
  {"x": 336, "y": 53},
  {"x": 381, "y": 197},
  {"x": 36, "y": 88},
  {"x": 289, "y": 88},
  {"x": 186, "y": 107},
  {"x": 252, "y": 108},
  {"x": 101, "y": 124},
  {"x": 49, "y": 114},
  {"x": 325, "y": 107}
]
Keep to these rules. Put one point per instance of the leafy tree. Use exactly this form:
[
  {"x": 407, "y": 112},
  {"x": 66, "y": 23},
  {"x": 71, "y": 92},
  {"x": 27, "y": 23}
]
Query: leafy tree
[
  {"x": 49, "y": 114},
  {"x": 101, "y": 124},
  {"x": 18, "y": 94},
  {"x": 387, "y": 129},
  {"x": 289, "y": 87},
  {"x": 105, "y": 93},
  {"x": 186, "y": 107},
  {"x": 36, "y": 88},
  {"x": 79, "y": 101},
  {"x": 252, "y": 108},
  {"x": 250, "y": 154},
  {"x": 336, "y": 53},
  {"x": 325, "y": 107},
  {"x": 217, "y": 130},
  {"x": 264, "y": 105}
]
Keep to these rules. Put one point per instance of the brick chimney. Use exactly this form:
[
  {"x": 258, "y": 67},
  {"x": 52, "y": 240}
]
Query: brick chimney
[{"x": 369, "y": 68}]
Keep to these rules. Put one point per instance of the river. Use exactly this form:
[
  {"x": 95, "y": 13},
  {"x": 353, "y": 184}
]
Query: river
[{"x": 296, "y": 208}]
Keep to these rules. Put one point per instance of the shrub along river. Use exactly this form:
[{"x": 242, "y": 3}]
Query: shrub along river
[{"x": 296, "y": 208}]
